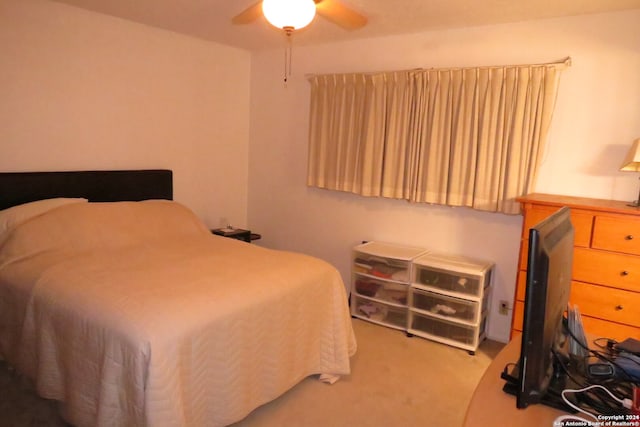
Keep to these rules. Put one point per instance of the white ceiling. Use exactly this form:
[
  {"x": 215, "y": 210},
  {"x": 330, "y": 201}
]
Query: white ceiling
[{"x": 211, "y": 19}]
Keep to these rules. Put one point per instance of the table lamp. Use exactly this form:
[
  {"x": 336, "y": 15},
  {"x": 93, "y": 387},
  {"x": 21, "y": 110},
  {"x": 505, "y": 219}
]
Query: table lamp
[{"x": 632, "y": 164}]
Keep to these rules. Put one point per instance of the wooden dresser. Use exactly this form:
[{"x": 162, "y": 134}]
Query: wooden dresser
[{"x": 606, "y": 262}]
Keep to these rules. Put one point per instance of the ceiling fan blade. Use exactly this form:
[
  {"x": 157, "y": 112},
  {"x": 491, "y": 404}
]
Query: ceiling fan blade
[
  {"x": 248, "y": 15},
  {"x": 340, "y": 14}
]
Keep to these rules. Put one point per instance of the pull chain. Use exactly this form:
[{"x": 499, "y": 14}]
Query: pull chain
[{"x": 288, "y": 51}]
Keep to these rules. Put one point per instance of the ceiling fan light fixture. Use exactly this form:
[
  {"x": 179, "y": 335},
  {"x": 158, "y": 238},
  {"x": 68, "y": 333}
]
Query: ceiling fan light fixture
[{"x": 289, "y": 14}]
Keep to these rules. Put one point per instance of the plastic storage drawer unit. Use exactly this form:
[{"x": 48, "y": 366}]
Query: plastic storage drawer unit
[
  {"x": 381, "y": 274},
  {"x": 448, "y": 299}
]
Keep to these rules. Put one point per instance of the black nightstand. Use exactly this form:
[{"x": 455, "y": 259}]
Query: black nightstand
[{"x": 237, "y": 233}]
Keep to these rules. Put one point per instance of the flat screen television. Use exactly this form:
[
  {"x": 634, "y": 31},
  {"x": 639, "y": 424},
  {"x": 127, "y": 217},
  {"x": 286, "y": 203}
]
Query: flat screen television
[{"x": 549, "y": 266}]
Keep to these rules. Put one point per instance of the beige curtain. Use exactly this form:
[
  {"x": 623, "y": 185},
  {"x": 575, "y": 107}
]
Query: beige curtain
[
  {"x": 348, "y": 150},
  {"x": 460, "y": 137}
]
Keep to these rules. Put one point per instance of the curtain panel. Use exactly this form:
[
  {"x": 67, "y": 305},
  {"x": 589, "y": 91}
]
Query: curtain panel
[{"x": 469, "y": 137}]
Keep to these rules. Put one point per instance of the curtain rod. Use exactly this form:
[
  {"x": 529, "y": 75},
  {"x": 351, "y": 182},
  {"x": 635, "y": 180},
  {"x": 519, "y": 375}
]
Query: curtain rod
[{"x": 564, "y": 63}]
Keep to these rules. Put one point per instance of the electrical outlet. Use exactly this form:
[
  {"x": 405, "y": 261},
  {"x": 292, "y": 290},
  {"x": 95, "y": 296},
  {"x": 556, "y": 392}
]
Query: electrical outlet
[{"x": 504, "y": 307}]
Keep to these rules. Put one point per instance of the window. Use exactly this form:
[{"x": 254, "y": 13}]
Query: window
[{"x": 461, "y": 137}]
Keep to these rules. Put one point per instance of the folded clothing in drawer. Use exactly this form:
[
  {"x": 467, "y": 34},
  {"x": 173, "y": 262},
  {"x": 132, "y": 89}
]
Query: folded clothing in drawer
[
  {"x": 383, "y": 268},
  {"x": 380, "y": 312},
  {"x": 392, "y": 292},
  {"x": 443, "y": 305},
  {"x": 448, "y": 281}
]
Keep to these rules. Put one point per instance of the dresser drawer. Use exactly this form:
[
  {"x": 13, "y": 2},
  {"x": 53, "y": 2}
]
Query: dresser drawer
[
  {"x": 607, "y": 268},
  {"x": 606, "y": 303},
  {"x": 599, "y": 328},
  {"x": 582, "y": 223},
  {"x": 592, "y": 325},
  {"x": 524, "y": 254},
  {"x": 518, "y": 315},
  {"x": 521, "y": 285},
  {"x": 617, "y": 234}
]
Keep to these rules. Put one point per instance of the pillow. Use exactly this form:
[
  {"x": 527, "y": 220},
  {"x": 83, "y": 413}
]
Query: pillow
[{"x": 16, "y": 215}]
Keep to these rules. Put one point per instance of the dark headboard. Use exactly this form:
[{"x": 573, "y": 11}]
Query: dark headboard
[{"x": 97, "y": 186}]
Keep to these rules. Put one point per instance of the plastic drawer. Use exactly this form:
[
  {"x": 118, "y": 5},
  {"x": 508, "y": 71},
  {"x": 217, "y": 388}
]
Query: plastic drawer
[
  {"x": 436, "y": 327},
  {"x": 450, "y": 281},
  {"x": 446, "y": 306},
  {"x": 384, "y": 268},
  {"x": 381, "y": 290},
  {"x": 379, "y": 312}
]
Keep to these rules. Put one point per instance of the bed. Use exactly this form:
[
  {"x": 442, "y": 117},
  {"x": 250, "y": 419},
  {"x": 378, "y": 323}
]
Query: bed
[{"x": 118, "y": 302}]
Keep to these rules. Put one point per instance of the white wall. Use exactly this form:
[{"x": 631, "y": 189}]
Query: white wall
[
  {"x": 597, "y": 117},
  {"x": 81, "y": 90}
]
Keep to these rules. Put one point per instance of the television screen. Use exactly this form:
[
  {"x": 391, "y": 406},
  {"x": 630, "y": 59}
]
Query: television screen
[{"x": 549, "y": 267}]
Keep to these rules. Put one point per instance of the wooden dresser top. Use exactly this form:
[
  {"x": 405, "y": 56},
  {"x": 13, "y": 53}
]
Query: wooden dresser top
[{"x": 603, "y": 205}]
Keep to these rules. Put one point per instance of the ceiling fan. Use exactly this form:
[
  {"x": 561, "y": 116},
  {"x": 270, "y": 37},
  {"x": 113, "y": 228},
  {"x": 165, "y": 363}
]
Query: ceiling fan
[{"x": 333, "y": 10}]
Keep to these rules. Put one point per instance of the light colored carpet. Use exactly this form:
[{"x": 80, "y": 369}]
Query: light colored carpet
[{"x": 395, "y": 381}]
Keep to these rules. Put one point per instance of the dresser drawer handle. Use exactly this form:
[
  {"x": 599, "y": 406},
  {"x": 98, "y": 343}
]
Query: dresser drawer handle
[
  {"x": 619, "y": 307},
  {"x": 624, "y": 273},
  {"x": 628, "y": 237}
]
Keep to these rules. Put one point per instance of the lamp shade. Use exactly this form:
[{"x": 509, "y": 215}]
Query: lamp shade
[
  {"x": 289, "y": 14},
  {"x": 632, "y": 161}
]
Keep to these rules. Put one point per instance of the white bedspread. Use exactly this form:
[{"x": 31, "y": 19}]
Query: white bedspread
[{"x": 133, "y": 314}]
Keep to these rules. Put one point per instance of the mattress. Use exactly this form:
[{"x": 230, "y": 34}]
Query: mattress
[{"x": 134, "y": 314}]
